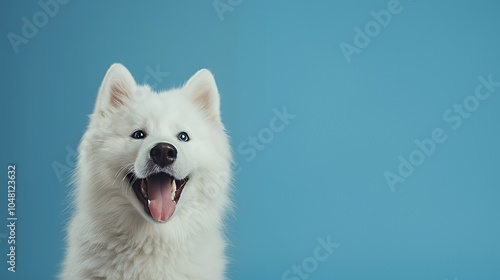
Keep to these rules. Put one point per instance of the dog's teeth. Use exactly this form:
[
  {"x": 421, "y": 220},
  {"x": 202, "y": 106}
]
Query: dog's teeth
[
  {"x": 149, "y": 201},
  {"x": 174, "y": 189},
  {"x": 143, "y": 189}
]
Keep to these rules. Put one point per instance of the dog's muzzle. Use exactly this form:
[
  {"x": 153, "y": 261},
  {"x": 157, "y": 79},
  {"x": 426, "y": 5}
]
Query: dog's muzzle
[{"x": 159, "y": 192}]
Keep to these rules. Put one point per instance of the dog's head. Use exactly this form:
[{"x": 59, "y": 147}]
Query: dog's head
[{"x": 159, "y": 150}]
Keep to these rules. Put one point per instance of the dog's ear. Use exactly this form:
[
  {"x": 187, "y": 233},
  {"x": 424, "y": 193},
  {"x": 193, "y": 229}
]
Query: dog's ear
[
  {"x": 116, "y": 89},
  {"x": 202, "y": 90}
]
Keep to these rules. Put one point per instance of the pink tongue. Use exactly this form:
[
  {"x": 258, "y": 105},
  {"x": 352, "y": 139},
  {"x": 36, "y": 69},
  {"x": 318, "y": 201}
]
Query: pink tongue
[{"x": 161, "y": 206}]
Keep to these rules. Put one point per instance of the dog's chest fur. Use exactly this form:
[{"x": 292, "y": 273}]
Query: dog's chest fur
[{"x": 156, "y": 257}]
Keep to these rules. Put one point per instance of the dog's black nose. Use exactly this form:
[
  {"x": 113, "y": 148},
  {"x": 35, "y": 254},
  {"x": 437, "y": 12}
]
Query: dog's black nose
[{"x": 163, "y": 154}]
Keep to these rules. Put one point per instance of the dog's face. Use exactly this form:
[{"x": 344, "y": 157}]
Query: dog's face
[{"x": 159, "y": 147}]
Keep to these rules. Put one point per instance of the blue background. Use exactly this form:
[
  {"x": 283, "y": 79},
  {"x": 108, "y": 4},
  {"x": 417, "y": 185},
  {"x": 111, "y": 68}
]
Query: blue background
[{"x": 323, "y": 175}]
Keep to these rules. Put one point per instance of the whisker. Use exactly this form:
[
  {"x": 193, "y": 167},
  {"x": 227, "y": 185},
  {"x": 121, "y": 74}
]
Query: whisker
[{"x": 128, "y": 167}]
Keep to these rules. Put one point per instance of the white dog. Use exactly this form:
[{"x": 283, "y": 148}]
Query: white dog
[{"x": 152, "y": 184}]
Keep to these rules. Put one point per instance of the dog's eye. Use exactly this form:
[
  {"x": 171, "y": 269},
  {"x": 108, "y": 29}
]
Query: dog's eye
[
  {"x": 183, "y": 136},
  {"x": 138, "y": 134}
]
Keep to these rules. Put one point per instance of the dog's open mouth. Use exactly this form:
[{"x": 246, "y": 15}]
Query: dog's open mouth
[{"x": 159, "y": 193}]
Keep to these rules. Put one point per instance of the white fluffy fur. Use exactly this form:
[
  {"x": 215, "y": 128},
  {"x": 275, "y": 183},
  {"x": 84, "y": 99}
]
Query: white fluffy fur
[{"x": 110, "y": 236}]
